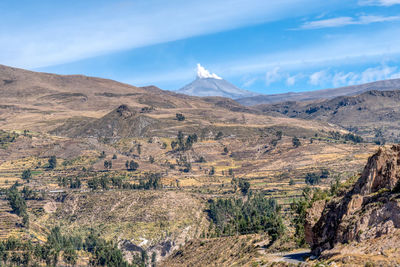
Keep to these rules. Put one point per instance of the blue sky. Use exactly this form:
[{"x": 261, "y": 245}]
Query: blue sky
[{"x": 264, "y": 46}]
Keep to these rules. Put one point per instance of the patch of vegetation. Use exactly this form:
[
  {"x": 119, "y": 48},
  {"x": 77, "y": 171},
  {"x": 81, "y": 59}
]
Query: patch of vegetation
[
  {"x": 299, "y": 207},
  {"x": 16, "y": 252},
  {"x": 69, "y": 182},
  {"x": 52, "y": 162},
  {"x": 184, "y": 163},
  {"x": 18, "y": 204},
  {"x": 219, "y": 136},
  {"x": 107, "y": 164},
  {"x": 313, "y": 178},
  {"x": 181, "y": 144},
  {"x": 150, "y": 181},
  {"x": 346, "y": 137},
  {"x": 296, "y": 142},
  {"x": 180, "y": 117},
  {"x": 131, "y": 165},
  {"x": 7, "y": 138},
  {"x": 26, "y": 174},
  {"x": 257, "y": 214}
]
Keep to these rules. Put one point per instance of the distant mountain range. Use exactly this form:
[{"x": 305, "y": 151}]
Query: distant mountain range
[
  {"x": 210, "y": 84},
  {"x": 372, "y": 114},
  {"x": 321, "y": 94}
]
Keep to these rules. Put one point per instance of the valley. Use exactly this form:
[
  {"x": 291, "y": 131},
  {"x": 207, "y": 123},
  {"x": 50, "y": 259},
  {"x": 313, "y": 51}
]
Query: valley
[{"x": 138, "y": 167}]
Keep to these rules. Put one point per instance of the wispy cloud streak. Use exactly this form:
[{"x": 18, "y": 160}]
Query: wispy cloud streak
[
  {"x": 345, "y": 21},
  {"x": 121, "y": 25}
]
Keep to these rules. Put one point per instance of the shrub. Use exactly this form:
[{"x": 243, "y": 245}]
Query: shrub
[
  {"x": 27, "y": 174},
  {"x": 296, "y": 142},
  {"x": 180, "y": 117},
  {"x": 312, "y": 178},
  {"x": 52, "y": 162}
]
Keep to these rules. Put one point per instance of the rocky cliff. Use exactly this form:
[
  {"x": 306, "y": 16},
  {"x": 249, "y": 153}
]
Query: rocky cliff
[{"x": 359, "y": 217}]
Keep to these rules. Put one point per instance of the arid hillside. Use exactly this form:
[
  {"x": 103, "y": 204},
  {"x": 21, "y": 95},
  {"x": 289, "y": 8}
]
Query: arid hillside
[{"x": 374, "y": 114}]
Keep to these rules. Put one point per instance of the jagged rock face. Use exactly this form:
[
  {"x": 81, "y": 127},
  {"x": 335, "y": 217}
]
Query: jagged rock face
[
  {"x": 124, "y": 111},
  {"x": 382, "y": 171},
  {"x": 369, "y": 210}
]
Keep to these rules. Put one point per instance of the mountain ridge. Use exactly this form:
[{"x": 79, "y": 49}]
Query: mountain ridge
[
  {"x": 382, "y": 85},
  {"x": 373, "y": 114}
]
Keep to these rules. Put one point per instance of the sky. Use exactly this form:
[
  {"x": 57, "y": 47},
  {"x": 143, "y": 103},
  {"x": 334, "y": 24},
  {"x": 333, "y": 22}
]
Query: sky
[{"x": 267, "y": 47}]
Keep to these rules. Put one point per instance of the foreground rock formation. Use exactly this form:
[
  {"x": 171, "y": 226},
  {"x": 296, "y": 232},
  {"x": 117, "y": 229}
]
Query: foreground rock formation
[{"x": 362, "y": 223}]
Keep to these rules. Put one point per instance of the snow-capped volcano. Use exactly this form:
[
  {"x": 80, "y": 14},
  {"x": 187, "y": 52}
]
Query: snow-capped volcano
[{"x": 210, "y": 84}]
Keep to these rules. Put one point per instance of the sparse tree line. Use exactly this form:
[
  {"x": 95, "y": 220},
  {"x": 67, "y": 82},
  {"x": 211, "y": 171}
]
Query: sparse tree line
[
  {"x": 15, "y": 252},
  {"x": 347, "y": 137},
  {"x": 105, "y": 182},
  {"x": 182, "y": 144},
  {"x": 150, "y": 181},
  {"x": 314, "y": 178}
]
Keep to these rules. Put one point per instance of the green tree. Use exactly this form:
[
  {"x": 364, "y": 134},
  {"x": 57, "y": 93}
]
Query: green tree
[
  {"x": 27, "y": 174},
  {"x": 279, "y": 135},
  {"x": 312, "y": 178},
  {"x": 17, "y": 203},
  {"x": 52, "y": 162},
  {"x": 244, "y": 186},
  {"x": 133, "y": 166},
  {"x": 212, "y": 171},
  {"x": 180, "y": 117},
  {"x": 296, "y": 142},
  {"x": 219, "y": 136}
]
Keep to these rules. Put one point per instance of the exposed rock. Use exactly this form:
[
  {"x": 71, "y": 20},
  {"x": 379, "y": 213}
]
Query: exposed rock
[
  {"x": 124, "y": 111},
  {"x": 312, "y": 217},
  {"x": 368, "y": 211},
  {"x": 381, "y": 171}
]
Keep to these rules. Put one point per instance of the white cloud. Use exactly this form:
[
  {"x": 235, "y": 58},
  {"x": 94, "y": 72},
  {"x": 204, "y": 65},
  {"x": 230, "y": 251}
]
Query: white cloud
[
  {"x": 202, "y": 73},
  {"x": 319, "y": 78},
  {"x": 378, "y": 2},
  {"x": 249, "y": 82},
  {"x": 338, "y": 79},
  {"x": 344, "y": 21},
  {"x": 337, "y": 50},
  {"x": 118, "y": 25},
  {"x": 378, "y": 73},
  {"x": 273, "y": 75},
  {"x": 291, "y": 80},
  {"x": 342, "y": 79}
]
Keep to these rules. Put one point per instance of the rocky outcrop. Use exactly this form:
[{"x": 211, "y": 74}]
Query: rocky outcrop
[
  {"x": 370, "y": 209},
  {"x": 120, "y": 123},
  {"x": 382, "y": 172}
]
